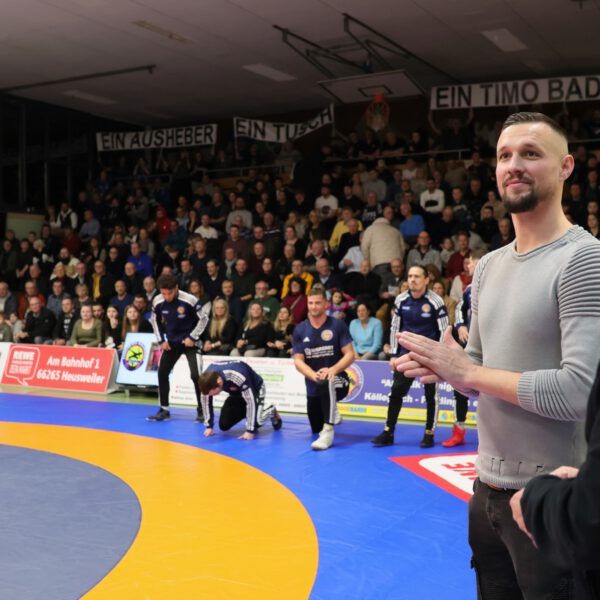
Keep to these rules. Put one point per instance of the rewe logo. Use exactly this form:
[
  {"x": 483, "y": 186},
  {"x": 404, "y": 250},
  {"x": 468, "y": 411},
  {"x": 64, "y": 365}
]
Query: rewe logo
[{"x": 454, "y": 473}]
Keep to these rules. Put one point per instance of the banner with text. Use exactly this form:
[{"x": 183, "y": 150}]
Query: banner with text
[
  {"x": 513, "y": 93},
  {"x": 89, "y": 370},
  {"x": 139, "y": 366},
  {"x": 371, "y": 382},
  {"x": 281, "y": 132},
  {"x": 175, "y": 137}
]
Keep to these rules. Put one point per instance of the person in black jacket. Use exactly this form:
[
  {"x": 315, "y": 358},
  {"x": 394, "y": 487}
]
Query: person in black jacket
[
  {"x": 254, "y": 334},
  {"x": 65, "y": 322},
  {"x": 219, "y": 336},
  {"x": 133, "y": 280},
  {"x": 560, "y": 511},
  {"x": 39, "y": 324},
  {"x": 8, "y": 302},
  {"x": 178, "y": 320},
  {"x": 103, "y": 284}
]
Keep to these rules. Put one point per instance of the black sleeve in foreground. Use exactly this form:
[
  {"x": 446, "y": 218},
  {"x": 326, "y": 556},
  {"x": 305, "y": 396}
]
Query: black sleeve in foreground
[{"x": 563, "y": 515}]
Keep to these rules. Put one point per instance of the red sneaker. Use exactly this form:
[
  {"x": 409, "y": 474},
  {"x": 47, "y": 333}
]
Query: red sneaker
[{"x": 457, "y": 439}]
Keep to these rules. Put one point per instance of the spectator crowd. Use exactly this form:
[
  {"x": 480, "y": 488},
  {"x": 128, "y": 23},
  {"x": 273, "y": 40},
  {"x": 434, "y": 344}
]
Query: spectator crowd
[{"x": 253, "y": 249}]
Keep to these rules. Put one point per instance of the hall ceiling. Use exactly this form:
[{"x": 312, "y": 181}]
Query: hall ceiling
[{"x": 200, "y": 49}]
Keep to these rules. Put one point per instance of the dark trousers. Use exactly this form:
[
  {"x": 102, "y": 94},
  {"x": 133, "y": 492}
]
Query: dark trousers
[
  {"x": 321, "y": 408},
  {"x": 232, "y": 412},
  {"x": 461, "y": 406},
  {"x": 507, "y": 565},
  {"x": 400, "y": 387},
  {"x": 165, "y": 366},
  {"x": 235, "y": 409}
]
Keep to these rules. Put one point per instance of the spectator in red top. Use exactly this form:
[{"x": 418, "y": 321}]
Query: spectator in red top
[
  {"x": 163, "y": 223},
  {"x": 296, "y": 301},
  {"x": 456, "y": 261},
  {"x": 235, "y": 241},
  {"x": 31, "y": 291},
  {"x": 71, "y": 241},
  {"x": 256, "y": 258}
]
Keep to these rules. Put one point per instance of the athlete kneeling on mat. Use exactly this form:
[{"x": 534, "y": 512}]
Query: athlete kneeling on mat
[
  {"x": 322, "y": 349},
  {"x": 246, "y": 398}
]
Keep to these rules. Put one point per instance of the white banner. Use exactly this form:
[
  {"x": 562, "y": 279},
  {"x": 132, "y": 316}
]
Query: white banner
[
  {"x": 513, "y": 93},
  {"x": 281, "y": 132},
  {"x": 175, "y": 137},
  {"x": 138, "y": 366},
  {"x": 4, "y": 349},
  {"x": 286, "y": 388}
]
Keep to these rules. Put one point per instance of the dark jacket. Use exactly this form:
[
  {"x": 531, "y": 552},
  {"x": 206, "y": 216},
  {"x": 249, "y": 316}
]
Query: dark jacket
[
  {"x": 10, "y": 305},
  {"x": 363, "y": 288},
  {"x": 257, "y": 336},
  {"x": 42, "y": 325},
  {"x": 212, "y": 286},
  {"x": 135, "y": 284},
  {"x": 563, "y": 515},
  {"x": 227, "y": 337},
  {"x": 107, "y": 289},
  {"x": 334, "y": 281},
  {"x": 59, "y": 329}
]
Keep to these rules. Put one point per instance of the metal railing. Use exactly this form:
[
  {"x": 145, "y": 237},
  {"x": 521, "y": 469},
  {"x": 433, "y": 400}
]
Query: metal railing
[
  {"x": 400, "y": 155},
  {"x": 239, "y": 171}
]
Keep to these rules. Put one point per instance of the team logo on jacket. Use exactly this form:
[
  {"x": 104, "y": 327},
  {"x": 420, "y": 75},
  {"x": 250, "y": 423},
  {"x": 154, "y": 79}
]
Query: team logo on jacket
[
  {"x": 180, "y": 310},
  {"x": 326, "y": 335},
  {"x": 426, "y": 308}
]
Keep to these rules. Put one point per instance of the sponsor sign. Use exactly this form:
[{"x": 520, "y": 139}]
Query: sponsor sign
[
  {"x": 285, "y": 386},
  {"x": 138, "y": 364},
  {"x": 370, "y": 384},
  {"x": 281, "y": 132},
  {"x": 512, "y": 93},
  {"x": 174, "y": 137},
  {"x": 454, "y": 473},
  {"x": 87, "y": 370}
]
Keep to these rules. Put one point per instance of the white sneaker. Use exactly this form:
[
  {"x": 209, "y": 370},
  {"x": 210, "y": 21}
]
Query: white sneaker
[
  {"x": 337, "y": 417},
  {"x": 325, "y": 439}
]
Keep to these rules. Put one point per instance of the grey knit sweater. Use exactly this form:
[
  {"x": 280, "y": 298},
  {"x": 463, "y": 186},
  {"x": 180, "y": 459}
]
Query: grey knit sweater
[{"x": 538, "y": 314}]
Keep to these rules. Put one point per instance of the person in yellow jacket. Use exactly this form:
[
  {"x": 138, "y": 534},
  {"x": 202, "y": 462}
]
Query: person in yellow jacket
[
  {"x": 297, "y": 271},
  {"x": 341, "y": 227}
]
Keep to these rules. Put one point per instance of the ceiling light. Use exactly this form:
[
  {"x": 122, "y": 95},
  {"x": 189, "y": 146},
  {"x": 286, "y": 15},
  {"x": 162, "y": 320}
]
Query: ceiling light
[
  {"x": 89, "y": 97},
  {"x": 170, "y": 35},
  {"x": 505, "y": 40},
  {"x": 269, "y": 72}
]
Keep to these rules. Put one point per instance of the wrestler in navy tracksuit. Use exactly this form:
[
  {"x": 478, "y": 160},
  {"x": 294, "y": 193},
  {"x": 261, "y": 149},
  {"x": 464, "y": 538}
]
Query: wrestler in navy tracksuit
[
  {"x": 462, "y": 318},
  {"x": 322, "y": 348},
  {"x": 426, "y": 316},
  {"x": 246, "y": 397},
  {"x": 173, "y": 322}
]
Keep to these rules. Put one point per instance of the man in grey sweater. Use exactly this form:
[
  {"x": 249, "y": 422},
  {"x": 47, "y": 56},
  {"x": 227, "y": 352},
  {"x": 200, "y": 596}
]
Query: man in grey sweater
[{"x": 531, "y": 356}]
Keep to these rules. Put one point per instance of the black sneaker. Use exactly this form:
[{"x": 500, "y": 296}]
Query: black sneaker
[
  {"x": 276, "y": 421},
  {"x": 161, "y": 415},
  {"x": 200, "y": 416},
  {"x": 385, "y": 438},
  {"x": 427, "y": 441}
]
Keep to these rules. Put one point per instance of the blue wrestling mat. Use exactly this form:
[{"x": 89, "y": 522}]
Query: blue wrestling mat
[{"x": 388, "y": 522}]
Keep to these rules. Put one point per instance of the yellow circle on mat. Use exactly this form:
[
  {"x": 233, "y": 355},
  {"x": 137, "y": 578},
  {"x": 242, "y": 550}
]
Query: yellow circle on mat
[{"x": 212, "y": 526}]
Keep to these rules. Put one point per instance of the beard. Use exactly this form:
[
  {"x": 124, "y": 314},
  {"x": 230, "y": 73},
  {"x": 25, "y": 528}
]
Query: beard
[{"x": 520, "y": 204}]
